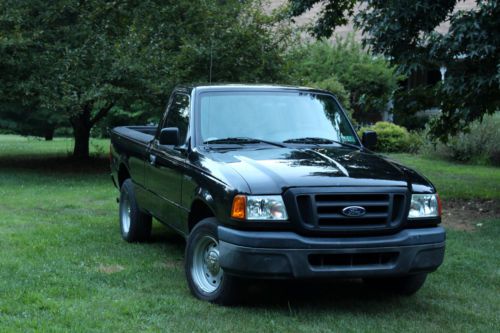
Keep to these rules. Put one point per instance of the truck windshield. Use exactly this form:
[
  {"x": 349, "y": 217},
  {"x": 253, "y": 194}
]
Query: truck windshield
[{"x": 292, "y": 117}]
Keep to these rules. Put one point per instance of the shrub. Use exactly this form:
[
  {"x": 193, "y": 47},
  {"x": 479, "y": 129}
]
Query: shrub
[
  {"x": 416, "y": 141},
  {"x": 7, "y": 131},
  {"x": 391, "y": 138},
  {"x": 479, "y": 145}
]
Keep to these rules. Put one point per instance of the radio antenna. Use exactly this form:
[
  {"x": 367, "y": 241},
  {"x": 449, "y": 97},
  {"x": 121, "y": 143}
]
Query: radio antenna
[{"x": 211, "y": 60}]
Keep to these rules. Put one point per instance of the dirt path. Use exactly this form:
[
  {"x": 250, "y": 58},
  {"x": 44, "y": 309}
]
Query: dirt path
[{"x": 469, "y": 214}]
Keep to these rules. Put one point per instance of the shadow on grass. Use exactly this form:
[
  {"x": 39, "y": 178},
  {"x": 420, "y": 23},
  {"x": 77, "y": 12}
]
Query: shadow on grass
[
  {"x": 56, "y": 163},
  {"x": 320, "y": 294},
  {"x": 163, "y": 234}
]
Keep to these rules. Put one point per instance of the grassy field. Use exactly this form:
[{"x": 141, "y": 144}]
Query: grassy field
[
  {"x": 453, "y": 180},
  {"x": 64, "y": 267}
]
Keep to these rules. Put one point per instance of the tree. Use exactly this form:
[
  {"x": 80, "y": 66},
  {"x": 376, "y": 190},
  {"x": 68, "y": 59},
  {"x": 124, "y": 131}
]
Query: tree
[
  {"x": 18, "y": 112},
  {"x": 210, "y": 41},
  {"x": 68, "y": 48},
  {"x": 27, "y": 120},
  {"x": 87, "y": 57},
  {"x": 364, "y": 80},
  {"x": 405, "y": 32}
]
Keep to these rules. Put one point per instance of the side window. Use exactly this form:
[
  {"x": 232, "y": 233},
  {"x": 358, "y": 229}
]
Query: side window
[{"x": 178, "y": 115}]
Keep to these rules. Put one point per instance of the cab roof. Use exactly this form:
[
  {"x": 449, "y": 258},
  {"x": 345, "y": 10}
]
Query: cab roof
[{"x": 240, "y": 87}]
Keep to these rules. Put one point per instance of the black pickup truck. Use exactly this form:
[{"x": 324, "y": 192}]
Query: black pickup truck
[{"x": 273, "y": 182}]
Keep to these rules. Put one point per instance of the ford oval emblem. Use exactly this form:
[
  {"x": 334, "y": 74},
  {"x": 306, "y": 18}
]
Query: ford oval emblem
[{"x": 354, "y": 211}]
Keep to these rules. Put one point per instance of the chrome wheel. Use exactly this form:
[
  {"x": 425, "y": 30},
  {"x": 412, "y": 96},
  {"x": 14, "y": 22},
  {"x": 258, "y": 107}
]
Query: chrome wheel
[
  {"x": 125, "y": 214},
  {"x": 206, "y": 271}
]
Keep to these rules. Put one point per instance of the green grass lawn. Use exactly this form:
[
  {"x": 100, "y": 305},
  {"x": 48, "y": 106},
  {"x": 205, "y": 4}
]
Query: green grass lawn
[
  {"x": 18, "y": 147},
  {"x": 64, "y": 267},
  {"x": 454, "y": 180}
]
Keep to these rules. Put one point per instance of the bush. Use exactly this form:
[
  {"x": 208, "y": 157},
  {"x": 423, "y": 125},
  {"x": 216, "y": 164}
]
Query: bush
[
  {"x": 392, "y": 138},
  {"x": 479, "y": 145},
  {"x": 416, "y": 141},
  {"x": 7, "y": 131}
]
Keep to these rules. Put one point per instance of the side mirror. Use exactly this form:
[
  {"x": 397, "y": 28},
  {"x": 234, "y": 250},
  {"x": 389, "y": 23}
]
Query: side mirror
[
  {"x": 369, "y": 139},
  {"x": 170, "y": 136}
]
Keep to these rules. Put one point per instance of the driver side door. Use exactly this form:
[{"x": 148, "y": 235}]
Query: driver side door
[{"x": 166, "y": 164}]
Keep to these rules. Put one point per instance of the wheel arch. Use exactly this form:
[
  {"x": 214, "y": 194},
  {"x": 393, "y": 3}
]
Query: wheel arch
[
  {"x": 123, "y": 174},
  {"x": 199, "y": 210}
]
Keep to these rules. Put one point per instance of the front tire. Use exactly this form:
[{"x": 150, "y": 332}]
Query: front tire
[
  {"x": 403, "y": 285},
  {"x": 135, "y": 226},
  {"x": 206, "y": 279}
]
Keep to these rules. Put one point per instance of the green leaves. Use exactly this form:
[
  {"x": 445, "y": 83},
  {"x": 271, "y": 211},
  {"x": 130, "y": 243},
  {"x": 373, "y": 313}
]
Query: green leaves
[
  {"x": 74, "y": 59},
  {"x": 410, "y": 33},
  {"x": 471, "y": 52},
  {"x": 348, "y": 70},
  {"x": 390, "y": 137},
  {"x": 334, "y": 13}
]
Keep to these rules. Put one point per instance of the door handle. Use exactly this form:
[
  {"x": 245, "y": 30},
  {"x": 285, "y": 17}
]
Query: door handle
[{"x": 152, "y": 159}]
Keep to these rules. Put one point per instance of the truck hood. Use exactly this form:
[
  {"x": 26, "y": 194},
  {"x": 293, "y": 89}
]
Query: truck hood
[{"x": 272, "y": 170}]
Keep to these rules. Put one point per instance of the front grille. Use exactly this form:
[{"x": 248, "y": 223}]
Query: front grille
[
  {"x": 323, "y": 210},
  {"x": 329, "y": 209},
  {"x": 377, "y": 206},
  {"x": 352, "y": 259}
]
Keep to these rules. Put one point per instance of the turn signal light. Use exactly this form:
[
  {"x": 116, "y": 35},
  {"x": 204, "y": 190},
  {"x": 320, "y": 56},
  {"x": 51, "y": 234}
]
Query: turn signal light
[
  {"x": 440, "y": 205},
  {"x": 239, "y": 208}
]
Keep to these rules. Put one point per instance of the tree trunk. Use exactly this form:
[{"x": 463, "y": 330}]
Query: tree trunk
[
  {"x": 49, "y": 134},
  {"x": 82, "y": 136},
  {"x": 82, "y": 123}
]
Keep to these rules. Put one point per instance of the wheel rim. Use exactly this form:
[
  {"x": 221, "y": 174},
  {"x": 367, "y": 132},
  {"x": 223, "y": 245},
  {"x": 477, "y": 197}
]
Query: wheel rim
[
  {"x": 125, "y": 214},
  {"x": 206, "y": 271}
]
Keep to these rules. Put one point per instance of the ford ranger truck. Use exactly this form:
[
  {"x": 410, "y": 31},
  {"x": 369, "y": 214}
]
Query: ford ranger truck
[{"x": 273, "y": 182}]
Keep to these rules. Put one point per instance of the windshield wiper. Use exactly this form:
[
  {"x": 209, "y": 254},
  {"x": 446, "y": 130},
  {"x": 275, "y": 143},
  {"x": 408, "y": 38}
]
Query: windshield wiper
[
  {"x": 347, "y": 144},
  {"x": 242, "y": 140},
  {"x": 314, "y": 140}
]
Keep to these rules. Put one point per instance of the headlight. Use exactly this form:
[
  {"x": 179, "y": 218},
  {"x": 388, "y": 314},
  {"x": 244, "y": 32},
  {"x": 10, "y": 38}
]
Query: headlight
[
  {"x": 424, "y": 205},
  {"x": 259, "y": 207}
]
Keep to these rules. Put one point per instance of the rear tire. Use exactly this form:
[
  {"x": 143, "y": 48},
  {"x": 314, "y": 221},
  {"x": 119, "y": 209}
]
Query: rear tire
[
  {"x": 135, "y": 226},
  {"x": 206, "y": 279},
  {"x": 404, "y": 285}
]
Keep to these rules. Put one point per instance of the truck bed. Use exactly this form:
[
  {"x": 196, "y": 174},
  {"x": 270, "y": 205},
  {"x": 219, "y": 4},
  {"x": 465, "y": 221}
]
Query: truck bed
[
  {"x": 142, "y": 134},
  {"x": 133, "y": 141}
]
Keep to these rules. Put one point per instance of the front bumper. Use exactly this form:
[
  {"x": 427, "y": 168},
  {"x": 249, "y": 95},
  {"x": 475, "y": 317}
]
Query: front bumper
[{"x": 284, "y": 254}]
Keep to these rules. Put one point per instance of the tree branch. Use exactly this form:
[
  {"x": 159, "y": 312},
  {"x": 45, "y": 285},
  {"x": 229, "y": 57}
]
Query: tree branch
[{"x": 101, "y": 114}]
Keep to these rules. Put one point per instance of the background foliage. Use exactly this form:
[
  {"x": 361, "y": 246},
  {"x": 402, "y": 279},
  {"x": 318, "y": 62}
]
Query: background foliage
[
  {"x": 391, "y": 138},
  {"x": 348, "y": 70},
  {"x": 75, "y": 61},
  {"x": 90, "y": 65},
  {"x": 479, "y": 145},
  {"x": 405, "y": 32}
]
